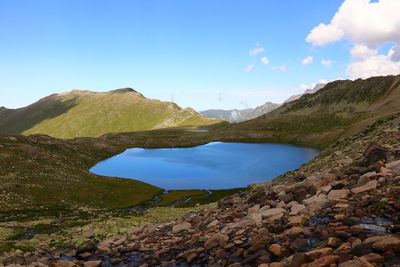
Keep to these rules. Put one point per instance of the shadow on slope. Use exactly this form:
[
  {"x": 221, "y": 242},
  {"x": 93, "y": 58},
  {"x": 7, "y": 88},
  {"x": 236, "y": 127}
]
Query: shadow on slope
[{"x": 15, "y": 121}]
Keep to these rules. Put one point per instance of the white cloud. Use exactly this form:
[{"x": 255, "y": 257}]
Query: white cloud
[
  {"x": 256, "y": 50},
  {"x": 368, "y": 25},
  {"x": 324, "y": 34},
  {"x": 375, "y": 65},
  {"x": 249, "y": 68},
  {"x": 281, "y": 68},
  {"x": 307, "y": 60},
  {"x": 264, "y": 60},
  {"x": 362, "y": 21},
  {"x": 326, "y": 62},
  {"x": 362, "y": 52}
]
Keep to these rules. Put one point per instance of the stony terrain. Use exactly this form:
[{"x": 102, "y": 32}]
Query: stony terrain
[{"x": 342, "y": 209}]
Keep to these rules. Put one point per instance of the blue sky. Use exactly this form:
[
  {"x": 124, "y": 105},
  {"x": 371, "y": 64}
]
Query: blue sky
[{"x": 196, "y": 53}]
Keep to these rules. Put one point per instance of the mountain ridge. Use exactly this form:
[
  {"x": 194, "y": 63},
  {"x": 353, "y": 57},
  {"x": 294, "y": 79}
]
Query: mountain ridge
[
  {"x": 339, "y": 109},
  {"x": 239, "y": 115},
  {"x": 85, "y": 113}
]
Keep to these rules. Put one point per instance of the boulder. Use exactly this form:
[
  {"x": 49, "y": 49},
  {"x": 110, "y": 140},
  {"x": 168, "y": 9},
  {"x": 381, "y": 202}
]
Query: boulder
[
  {"x": 389, "y": 243},
  {"x": 92, "y": 263},
  {"x": 324, "y": 261},
  {"x": 296, "y": 209},
  {"x": 63, "y": 264},
  {"x": 275, "y": 249},
  {"x": 375, "y": 153},
  {"x": 297, "y": 220},
  {"x": 357, "y": 262},
  {"x": 366, "y": 187},
  {"x": 181, "y": 227},
  {"x": 271, "y": 212},
  {"x": 87, "y": 246},
  {"x": 338, "y": 194},
  {"x": 216, "y": 240},
  {"x": 319, "y": 180},
  {"x": 393, "y": 164}
]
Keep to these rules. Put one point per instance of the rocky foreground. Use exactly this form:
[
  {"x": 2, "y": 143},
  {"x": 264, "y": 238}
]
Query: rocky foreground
[{"x": 347, "y": 215}]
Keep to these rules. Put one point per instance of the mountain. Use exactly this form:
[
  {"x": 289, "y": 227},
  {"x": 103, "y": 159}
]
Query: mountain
[
  {"x": 84, "y": 113},
  {"x": 308, "y": 91},
  {"x": 236, "y": 115},
  {"x": 339, "y": 109}
]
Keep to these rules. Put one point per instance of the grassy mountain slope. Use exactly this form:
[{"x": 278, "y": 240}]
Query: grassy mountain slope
[
  {"x": 85, "y": 113},
  {"x": 339, "y": 109}
]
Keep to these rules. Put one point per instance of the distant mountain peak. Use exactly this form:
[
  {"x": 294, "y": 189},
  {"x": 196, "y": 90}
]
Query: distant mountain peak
[
  {"x": 238, "y": 115},
  {"x": 316, "y": 88}
]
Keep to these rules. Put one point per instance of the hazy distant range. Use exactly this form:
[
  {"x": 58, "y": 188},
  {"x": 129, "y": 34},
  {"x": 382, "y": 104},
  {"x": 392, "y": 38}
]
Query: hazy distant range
[{"x": 238, "y": 115}]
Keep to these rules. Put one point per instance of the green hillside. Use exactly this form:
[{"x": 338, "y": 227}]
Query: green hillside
[
  {"x": 339, "y": 109},
  {"x": 84, "y": 113}
]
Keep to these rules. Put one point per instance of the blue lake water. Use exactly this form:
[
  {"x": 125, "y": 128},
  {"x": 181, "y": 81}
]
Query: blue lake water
[{"x": 215, "y": 165}]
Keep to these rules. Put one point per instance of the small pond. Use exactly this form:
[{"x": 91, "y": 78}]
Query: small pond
[{"x": 216, "y": 165}]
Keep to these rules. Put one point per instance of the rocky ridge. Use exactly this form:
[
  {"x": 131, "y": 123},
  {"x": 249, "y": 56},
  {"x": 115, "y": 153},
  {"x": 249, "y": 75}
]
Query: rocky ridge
[
  {"x": 238, "y": 115},
  {"x": 346, "y": 213}
]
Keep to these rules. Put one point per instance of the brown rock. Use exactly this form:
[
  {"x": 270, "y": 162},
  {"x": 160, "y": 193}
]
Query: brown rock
[
  {"x": 275, "y": 249},
  {"x": 294, "y": 231},
  {"x": 115, "y": 260},
  {"x": 316, "y": 253},
  {"x": 319, "y": 180},
  {"x": 149, "y": 229},
  {"x": 297, "y": 220},
  {"x": 216, "y": 240},
  {"x": 324, "y": 262},
  {"x": 366, "y": 187},
  {"x": 298, "y": 259},
  {"x": 92, "y": 263},
  {"x": 296, "y": 209},
  {"x": 390, "y": 243},
  {"x": 338, "y": 194},
  {"x": 277, "y": 264},
  {"x": 393, "y": 164},
  {"x": 299, "y": 245},
  {"x": 357, "y": 262},
  {"x": 238, "y": 252},
  {"x": 373, "y": 258},
  {"x": 85, "y": 255},
  {"x": 375, "y": 153},
  {"x": 271, "y": 212},
  {"x": 191, "y": 257},
  {"x": 171, "y": 263},
  {"x": 63, "y": 264},
  {"x": 374, "y": 239},
  {"x": 344, "y": 248},
  {"x": 181, "y": 227},
  {"x": 87, "y": 246},
  {"x": 333, "y": 242}
]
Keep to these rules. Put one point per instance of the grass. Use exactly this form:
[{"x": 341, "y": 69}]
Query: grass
[
  {"x": 178, "y": 195},
  {"x": 84, "y": 113},
  {"x": 210, "y": 198},
  {"x": 379, "y": 205}
]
